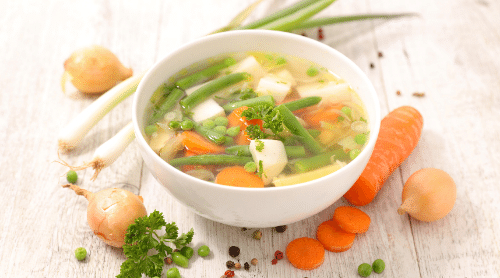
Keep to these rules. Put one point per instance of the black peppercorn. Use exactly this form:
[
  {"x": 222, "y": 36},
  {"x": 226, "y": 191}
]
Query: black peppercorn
[
  {"x": 246, "y": 266},
  {"x": 229, "y": 264},
  {"x": 234, "y": 251},
  {"x": 280, "y": 229}
]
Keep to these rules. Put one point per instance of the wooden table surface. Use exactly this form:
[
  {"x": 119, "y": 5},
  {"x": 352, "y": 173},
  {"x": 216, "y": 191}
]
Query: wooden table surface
[{"x": 450, "y": 52}]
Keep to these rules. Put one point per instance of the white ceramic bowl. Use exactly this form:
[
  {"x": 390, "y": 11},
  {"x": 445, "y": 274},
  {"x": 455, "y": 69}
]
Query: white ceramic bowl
[{"x": 255, "y": 207}]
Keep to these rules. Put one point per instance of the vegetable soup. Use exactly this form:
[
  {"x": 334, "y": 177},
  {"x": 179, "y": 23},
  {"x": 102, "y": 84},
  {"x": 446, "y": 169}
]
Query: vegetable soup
[{"x": 256, "y": 119}]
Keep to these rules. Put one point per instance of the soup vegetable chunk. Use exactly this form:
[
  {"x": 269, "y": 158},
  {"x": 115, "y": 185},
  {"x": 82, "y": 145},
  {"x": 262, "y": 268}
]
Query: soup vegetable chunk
[{"x": 256, "y": 119}]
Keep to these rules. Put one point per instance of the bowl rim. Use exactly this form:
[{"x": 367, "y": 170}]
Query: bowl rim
[{"x": 221, "y": 36}]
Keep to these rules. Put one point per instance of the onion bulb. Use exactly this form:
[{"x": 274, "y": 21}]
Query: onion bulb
[
  {"x": 94, "y": 70},
  {"x": 428, "y": 195},
  {"x": 110, "y": 212}
]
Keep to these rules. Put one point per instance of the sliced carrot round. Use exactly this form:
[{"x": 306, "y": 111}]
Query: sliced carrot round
[
  {"x": 333, "y": 237},
  {"x": 351, "y": 219},
  {"x": 305, "y": 253},
  {"x": 238, "y": 176}
]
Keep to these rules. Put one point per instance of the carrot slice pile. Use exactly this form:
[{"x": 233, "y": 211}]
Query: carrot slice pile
[
  {"x": 305, "y": 253},
  {"x": 351, "y": 219},
  {"x": 333, "y": 238},
  {"x": 238, "y": 176}
]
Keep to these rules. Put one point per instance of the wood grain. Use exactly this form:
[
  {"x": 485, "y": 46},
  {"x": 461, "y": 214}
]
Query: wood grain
[{"x": 450, "y": 51}]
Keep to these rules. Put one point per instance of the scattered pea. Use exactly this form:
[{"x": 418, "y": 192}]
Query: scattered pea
[
  {"x": 174, "y": 124},
  {"x": 360, "y": 138},
  {"x": 378, "y": 266},
  {"x": 312, "y": 71},
  {"x": 180, "y": 260},
  {"x": 203, "y": 251},
  {"x": 80, "y": 253},
  {"x": 187, "y": 252},
  {"x": 233, "y": 131},
  {"x": 220, "y": 129},
  {"x": 354, "y": 153},
  {"x": 173, "y": 273},
  {"x": 365, "y": 269},
  {"x": 187, "y": 125},
  {"x": 72, "y": 176},
  {"x": 251, "y": 167},
  {"x": 221, "y": 121},
  {"x": 209, "y": 123}
]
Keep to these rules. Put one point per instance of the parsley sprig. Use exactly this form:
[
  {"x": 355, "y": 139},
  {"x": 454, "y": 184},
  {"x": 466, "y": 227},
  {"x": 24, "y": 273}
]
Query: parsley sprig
[
  {"x": 146, "y": 245},
  {"x": 271, "y": 119}
]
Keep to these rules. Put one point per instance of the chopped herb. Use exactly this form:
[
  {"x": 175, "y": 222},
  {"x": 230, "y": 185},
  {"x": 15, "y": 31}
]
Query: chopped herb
[
  {"x": 254, "y": 132},
  {"x": 143, "y": 236},
  {"x": 259, "y": 145}
]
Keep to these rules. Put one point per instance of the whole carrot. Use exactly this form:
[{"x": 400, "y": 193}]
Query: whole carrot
[{"x": 399, "y": 134}]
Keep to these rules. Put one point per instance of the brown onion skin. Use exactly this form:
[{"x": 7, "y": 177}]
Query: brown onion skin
[
  {"x": 95, "y": 69},
  {"x": 111, "y": 212},
  {"x": 428, "y": 195}
]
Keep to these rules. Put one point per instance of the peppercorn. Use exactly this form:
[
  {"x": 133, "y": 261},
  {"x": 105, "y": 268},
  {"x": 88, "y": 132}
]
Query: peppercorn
[
  {"x": 168, "y": 260},
  {"x": 234, "y": 251},
  {"x": 237, "y": 265},
  {"x": 372, "y": 65},
  {"x": 257, "y": 234},
  {"x": 278, "y": 255},
  {"x": 280, "y": 229},
  {"x": 229, "y": 264},
  {"x": 380, "y": 54},
  {"x": 254, "y": 261},
  {"x": 229, "y": 273},
  {"x": 274, "y": 261},
  {"x": 246, "y": 266}
]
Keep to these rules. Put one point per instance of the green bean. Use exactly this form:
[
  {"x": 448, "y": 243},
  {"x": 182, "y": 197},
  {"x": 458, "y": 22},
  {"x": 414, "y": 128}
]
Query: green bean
[
  {"x": 169, "y": 103},
  {"x": 160, "y": 93},
  {"x": 311, "y": 163},
  {"x": 212, "y": 135},
  {"x": 291, "y": 122},
  {"x": 150, "y": 129},
  {"x": 268, "y": 99},
  {"x": 280, "y": 14},
  {"x": 244, "y": 150},
  {"x": 314, "y": 132},
  {"x": 211, "y": 88},
  {"x": 210, "y": 159},
  {"x": 205, "y": 74},
  {"x": 302, "y": 103}
]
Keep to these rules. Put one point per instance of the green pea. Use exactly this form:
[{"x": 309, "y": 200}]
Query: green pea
[
  {"x": 229, "y": 141},
  {"x": 365, "y": 269},
  {"x": 173, "y": 273},
  {"x": 203, "y": 251},
  {"x": 187, "y": 125},
  {"x": 72, "y": 176},
  {"x": 233, "y": 131},
  {"x": 187, "y": 252},
  {"x": 312, "y": 71},
  {"x": 251, "y": 167},
  {"x": 220, "y": 129},
  {"x": 80, "y": 253},
  {"x": 221, "y": 121},
  {"x": 180, "y": 260},
  {"x": 360, "y": 138},
  {"x": 209, "y": 123},
  {"x": 280, "y": 61},
  {"x": 174, "y": 124},
  {"x": 354, "y": 153},
  {"x": 378, "y": 266}
]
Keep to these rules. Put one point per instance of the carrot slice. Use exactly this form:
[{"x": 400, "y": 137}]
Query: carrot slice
[
  {"x": 399, "y": 134},
  {"x": 238, "y": 176},
  {"x": 333, "y": 238},
  {"x": 197, "y": 144},
  {"x": 351, "y": 219},
  {"x": 235, "y": 118},
  {"x": 325, "y": 114},
  {"x": 305, "y": 253}
]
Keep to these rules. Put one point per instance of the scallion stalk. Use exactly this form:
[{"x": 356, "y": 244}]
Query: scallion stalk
[
  {"x": 312, "y": 23},
  {"x": 74, "y": 131}
]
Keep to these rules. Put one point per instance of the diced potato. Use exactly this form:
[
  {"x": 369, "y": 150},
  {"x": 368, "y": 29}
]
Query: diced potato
[
  {"x": 286, "y": 76},
  {"x": 274, "y": 86},
  {"x": 330, "y": 91},
  {"x": 308, "y": 176},
  {"x": 273, "y": 157},
  {"x": 251, "y": 66},
  {"x": 208, "y": 109}
]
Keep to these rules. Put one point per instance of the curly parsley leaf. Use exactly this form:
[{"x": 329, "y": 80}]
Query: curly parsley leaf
[
  {"x": 271, "y": 120},
  {"x": 143, "y": 236}
]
